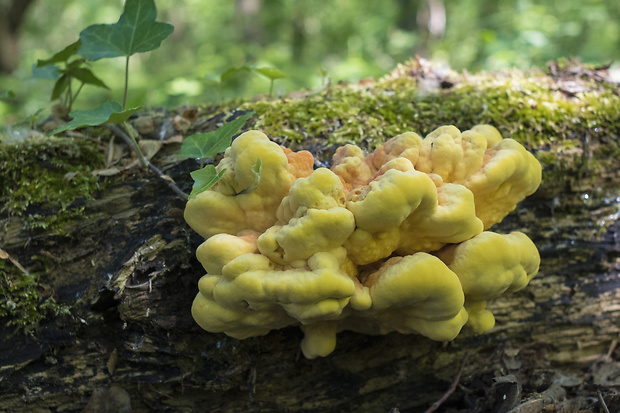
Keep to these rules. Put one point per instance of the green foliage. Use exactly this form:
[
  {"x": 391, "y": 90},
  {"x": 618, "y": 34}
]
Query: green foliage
[
  {"x": 108, "y": 112},
  {"x": 135, "y": 32},
  {"x": 22, "y": 300},
  {"x": 65, "y": 74},
  {"x": 7, "y": 95},
  {"x": 207, "y": 145},
  {"x": 350, "y": 40},
  {"x": 45, "y": 180},
  {"x": 522, "y": 107},
  {"x": 270, "y": 73},
  {"x": 204, "y": 179}
]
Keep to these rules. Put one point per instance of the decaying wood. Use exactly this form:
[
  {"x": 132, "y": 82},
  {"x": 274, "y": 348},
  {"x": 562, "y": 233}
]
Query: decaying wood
[{"x": 130, "y": 267}]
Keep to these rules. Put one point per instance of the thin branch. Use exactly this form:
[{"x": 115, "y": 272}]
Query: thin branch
[
  {"x": 612, "y": 347},
  {"x": 134, "y": 145},
  {"x": 169, "y": 182},
  {"x": 5, "y": 255},
  {"x": 126, "y": 136},
  {"x": 452, "y": 387},
  {"x": 600, "y": 399}
]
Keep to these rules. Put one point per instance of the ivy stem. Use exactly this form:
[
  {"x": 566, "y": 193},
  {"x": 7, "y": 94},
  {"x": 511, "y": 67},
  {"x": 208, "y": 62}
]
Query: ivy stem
[
  {"x": 126, "y": 82},
  {"x": 69, "y": 102},
  {"x": 134, "y": 144},
  {"x": 77, "y": 92}
]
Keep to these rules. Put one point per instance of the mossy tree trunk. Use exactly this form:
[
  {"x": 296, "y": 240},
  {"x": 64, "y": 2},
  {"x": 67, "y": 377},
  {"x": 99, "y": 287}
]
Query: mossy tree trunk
[{"x": 127, "y": 270}]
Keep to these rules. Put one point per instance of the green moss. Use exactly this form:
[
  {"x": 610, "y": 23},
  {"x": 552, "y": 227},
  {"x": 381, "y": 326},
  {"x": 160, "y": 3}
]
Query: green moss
[
  {"x": 527, "y": 107},
  {"x": 24, "y": 303},
  {"x": 573, "y": 134},
  {"x": 45, "y": 180}
]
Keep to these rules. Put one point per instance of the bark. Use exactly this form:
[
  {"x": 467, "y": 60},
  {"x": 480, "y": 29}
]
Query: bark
[{"x": 129, "y": 265}]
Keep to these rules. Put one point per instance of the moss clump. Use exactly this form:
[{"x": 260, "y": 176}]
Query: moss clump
[
  {"x": 45, "y": 180},
  {"x": 529, "y": 107},
  {"x": 23, "y": 301},
  {"x": 569, "y": 119}
]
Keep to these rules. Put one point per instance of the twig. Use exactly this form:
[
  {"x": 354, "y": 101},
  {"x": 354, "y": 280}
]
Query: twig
[
  {"x": 171, "y": 184},
  {"x": 612, "y": 347},
  {"x": 126, "y": 136},
  {"x": 452, "y": 387},
  {"x": 600, "y": 398},
  {"x": 168, "y": 182},
  {"x": 5, "y": 255}
]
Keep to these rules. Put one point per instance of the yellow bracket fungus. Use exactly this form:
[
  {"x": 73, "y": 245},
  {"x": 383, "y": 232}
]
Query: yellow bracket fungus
[{"x": 394, "y": 240}]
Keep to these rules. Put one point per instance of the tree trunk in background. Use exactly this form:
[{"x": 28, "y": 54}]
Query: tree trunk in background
[
  {"x": 247, "y": 12},
  {"x": 131, "y": 339},
  {"x": 12, "y": 15}
]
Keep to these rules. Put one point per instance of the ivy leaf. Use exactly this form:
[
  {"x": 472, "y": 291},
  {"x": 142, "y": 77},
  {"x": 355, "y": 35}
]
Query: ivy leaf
[
  {"x": 207, "y": 145},
  {"x": 45, "y": 72},
  {"x": 60, "y": 86},
  {"x": 204, "y": 179},
  {"x": 271, "y": 73},
  {"x": 61, "y": 56},
  {"x": 135, "y": 32},
  {"x": 86, "y": 76},
  {"x": 108, "y": 112},
  {"x": 233, "y": 71}
]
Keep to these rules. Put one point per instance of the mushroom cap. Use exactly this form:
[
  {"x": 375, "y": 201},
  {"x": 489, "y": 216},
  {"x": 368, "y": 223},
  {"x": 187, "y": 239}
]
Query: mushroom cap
[
  {"x": 220, "y": 249},
  {"x": 417, "y": 293},
  {"x": 217, "y": 210},
  {"x": 313, "y": 218},
  {"x": 450, "y": 154},
  {"x": 508, "y": 174},
  {"x": 391, "y": 241},
  {"x": 386, "y": 202},
  {"x": 492, "y": 264},
  {"x": 252, "y": 295}
]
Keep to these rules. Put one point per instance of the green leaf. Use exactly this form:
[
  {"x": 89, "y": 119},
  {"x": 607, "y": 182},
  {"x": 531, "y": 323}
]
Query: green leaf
[
  {"x": 204, "y": 179},
  {"x": 77, "y": 63},
  {"x": 61, "y": 56},
  {"x": 6, "y": 95},
  {"x": 135, "y": 32},
  {"x": 207, "y": 145},
  {"x": 45, "y": 72},
  {"x": 233, "y": 71},
  {"x": 271, "y": 73},
  {"x": 85, "y": 75},
  {"x": 122, "y": 115},
  {"x": 61, "y": 85},
  {"x": 108, "y": 112},
  {"x": 212, "y": 77}
]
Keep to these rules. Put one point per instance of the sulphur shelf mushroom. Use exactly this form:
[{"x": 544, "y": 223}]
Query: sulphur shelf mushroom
[{"x": 396, "y": 240}]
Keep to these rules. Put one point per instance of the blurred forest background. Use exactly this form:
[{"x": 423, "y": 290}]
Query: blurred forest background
[{"x": 311, "y": 41}]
